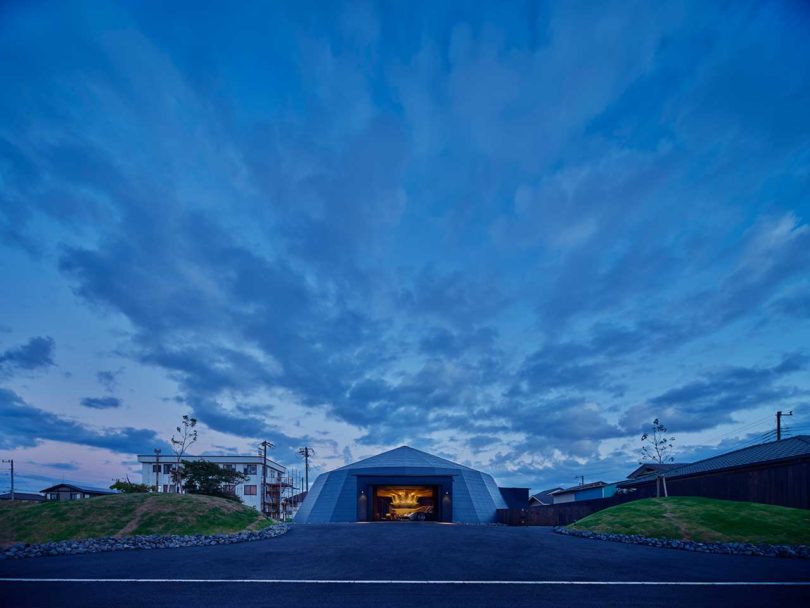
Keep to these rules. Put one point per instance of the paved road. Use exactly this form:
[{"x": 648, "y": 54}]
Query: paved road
[{"x": 500, "y": 561}]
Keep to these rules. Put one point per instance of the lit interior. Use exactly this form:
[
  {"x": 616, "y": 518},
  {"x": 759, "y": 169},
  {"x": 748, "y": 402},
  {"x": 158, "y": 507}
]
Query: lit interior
[{"x": 406, "y": 500}]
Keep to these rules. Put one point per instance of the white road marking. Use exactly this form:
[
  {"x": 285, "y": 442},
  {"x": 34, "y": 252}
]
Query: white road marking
[{"x": 295, "y": 581}]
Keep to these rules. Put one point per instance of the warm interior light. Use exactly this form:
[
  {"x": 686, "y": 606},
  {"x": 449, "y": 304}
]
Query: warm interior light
[{"x": 405, "y": 500}]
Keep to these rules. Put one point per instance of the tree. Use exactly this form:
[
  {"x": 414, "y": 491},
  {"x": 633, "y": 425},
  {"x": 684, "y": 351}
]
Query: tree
[
  {"x": 129, "y": 487},
  {"x": 656, "y": 447},
  {"x": 210, "y": 479},
  {"x": 186, "y": 435}
]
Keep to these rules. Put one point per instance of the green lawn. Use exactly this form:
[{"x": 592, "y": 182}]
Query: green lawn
[
  {"x": 124, "y": 515},
  {"x": 703, "y": 520}
]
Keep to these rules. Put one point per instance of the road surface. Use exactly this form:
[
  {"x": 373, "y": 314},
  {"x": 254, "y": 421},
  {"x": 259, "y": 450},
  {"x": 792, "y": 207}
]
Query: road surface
[{"x": 408, "y": 565}]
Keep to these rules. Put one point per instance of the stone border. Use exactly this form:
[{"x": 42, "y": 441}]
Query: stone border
[
  {"x": 796, "y": 551},
  {"x": 131, "y": 543}
]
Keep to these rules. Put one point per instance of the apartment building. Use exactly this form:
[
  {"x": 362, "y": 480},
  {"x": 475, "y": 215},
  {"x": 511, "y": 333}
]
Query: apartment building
[{"x": 157, "y": 471}]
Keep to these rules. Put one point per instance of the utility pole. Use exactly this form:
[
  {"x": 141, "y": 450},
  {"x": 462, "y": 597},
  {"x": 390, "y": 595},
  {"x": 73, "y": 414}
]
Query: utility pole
[
  {"x": 779, "y": 415},
  {"x": 306, "y": 453},
  {"x": 264, "y": 444},
  {"x": 11, "y": 461},
  {"x": 581, "y": 479},
  {"x": 157, "y": 471}
]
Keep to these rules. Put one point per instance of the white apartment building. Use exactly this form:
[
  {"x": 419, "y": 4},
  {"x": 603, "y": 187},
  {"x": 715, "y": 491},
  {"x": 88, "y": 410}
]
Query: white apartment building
[{"x": 157, "y": 471}]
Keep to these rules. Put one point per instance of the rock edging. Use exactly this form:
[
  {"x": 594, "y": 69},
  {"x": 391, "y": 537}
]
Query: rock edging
[
  {"x": 131, "y": 543},
  {"x": 795, "y": 551}
]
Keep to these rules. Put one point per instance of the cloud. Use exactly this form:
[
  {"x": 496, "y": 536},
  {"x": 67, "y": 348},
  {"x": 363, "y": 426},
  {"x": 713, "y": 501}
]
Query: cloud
[
  {"x": 23, "y": 425},
  {"x": 795, "y": 305},
  {"x": 478, "y": 442},
  {"x": 572, "y": 423},
  {"x": 554, "y": 367},
  {"x": 109, "y": 379},
  {"x": 101, "y": 403},
  {"x": 59, "y": 466},
  {"x": 777, "y": 251},
  {"x": 440, "y": 341},
  {"x": 711, "y": 400},
  {"x": 37, "y": 353},
  {"x": 347, "y": 456},
  {"x": 463, "y": 226},
  {"x": 453, "y": 298}
]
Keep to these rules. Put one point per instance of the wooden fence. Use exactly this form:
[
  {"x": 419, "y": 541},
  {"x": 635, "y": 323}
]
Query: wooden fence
[
  {"x": 561, "y": 514},
  {"x": 785, "y": 483}
]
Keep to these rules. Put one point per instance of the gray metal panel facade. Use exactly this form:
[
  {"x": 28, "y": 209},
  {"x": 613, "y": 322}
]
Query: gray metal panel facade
[{"x": 334, "y": 495}]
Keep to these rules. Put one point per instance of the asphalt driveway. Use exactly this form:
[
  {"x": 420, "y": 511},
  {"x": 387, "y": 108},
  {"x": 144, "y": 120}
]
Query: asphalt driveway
[{"x": 408, "y": 565}]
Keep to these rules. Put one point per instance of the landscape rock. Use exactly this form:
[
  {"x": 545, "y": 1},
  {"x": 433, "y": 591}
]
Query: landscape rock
[
  {"x": 765, "y": 550},
  {"x": 131, "y": 543}
]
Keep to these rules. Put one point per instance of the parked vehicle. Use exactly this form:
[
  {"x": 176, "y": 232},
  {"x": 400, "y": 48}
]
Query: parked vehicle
[{"x": 420, "y": 514}]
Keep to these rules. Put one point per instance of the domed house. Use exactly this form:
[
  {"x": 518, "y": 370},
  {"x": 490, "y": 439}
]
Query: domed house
[{"x": 404, "y": 484}]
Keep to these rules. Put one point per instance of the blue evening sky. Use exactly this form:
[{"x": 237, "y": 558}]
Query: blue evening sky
[{"x": 508, "y": 233}]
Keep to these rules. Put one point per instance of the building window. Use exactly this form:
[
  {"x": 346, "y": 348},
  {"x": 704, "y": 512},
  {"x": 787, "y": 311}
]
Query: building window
[
  {"x": 229, "y": 489},
  {"x": 156, "y": 468},
  {"x": 75, "y": 495},
  {"x": 168, "y": 468},
  {"x": 250, "y": 490},
  {"x": 166, "y": 488},
  {"x": 250, "y": 469},
  {"x": 52, "y": 496},
  {"x": 229, "y": 467}
]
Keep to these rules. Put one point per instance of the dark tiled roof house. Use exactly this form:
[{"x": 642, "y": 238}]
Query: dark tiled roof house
[
  {"x": 72, "y": 491},
  {"x": 777, "y": 472},
  {"x": 543, "y": 498}
]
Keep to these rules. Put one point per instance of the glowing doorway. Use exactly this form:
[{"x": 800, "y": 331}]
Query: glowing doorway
[{"x": 405, "y": 503}]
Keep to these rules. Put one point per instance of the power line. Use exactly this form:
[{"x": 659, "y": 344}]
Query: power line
[
  {"x": 745, "y": 442},
  {"x": 764, "y": 438},
  {"x": 748, "y": 425}
]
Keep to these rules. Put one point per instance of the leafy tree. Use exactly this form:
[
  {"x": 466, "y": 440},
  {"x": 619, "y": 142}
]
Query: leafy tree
[
  {"x": 210, "y": 479},
  {"x": 186, "y": 436},
  {"x": 129, "y": 487},
  {"x": 657, "y": 447}
]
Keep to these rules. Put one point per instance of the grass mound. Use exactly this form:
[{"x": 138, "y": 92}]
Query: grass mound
[
  {"x": 703, "y": 520},
  {"x": 124, "y": 515}
]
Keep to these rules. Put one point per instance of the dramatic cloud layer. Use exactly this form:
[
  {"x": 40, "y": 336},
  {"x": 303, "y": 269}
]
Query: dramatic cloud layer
[
  {"x": 35, "y": 354},
  {"x": 24, "y": 425},
  {"x": 101, "y": 403},
  {"x": 509, "y": 234}
]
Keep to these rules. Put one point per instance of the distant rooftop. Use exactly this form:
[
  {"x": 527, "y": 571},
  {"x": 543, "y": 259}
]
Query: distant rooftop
[
  {"x": 587, "y": 486},
  {"x": 764, "y": 452},
  {"x": 545, "y": 497},
  {"x": 80, "y": 488}
]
